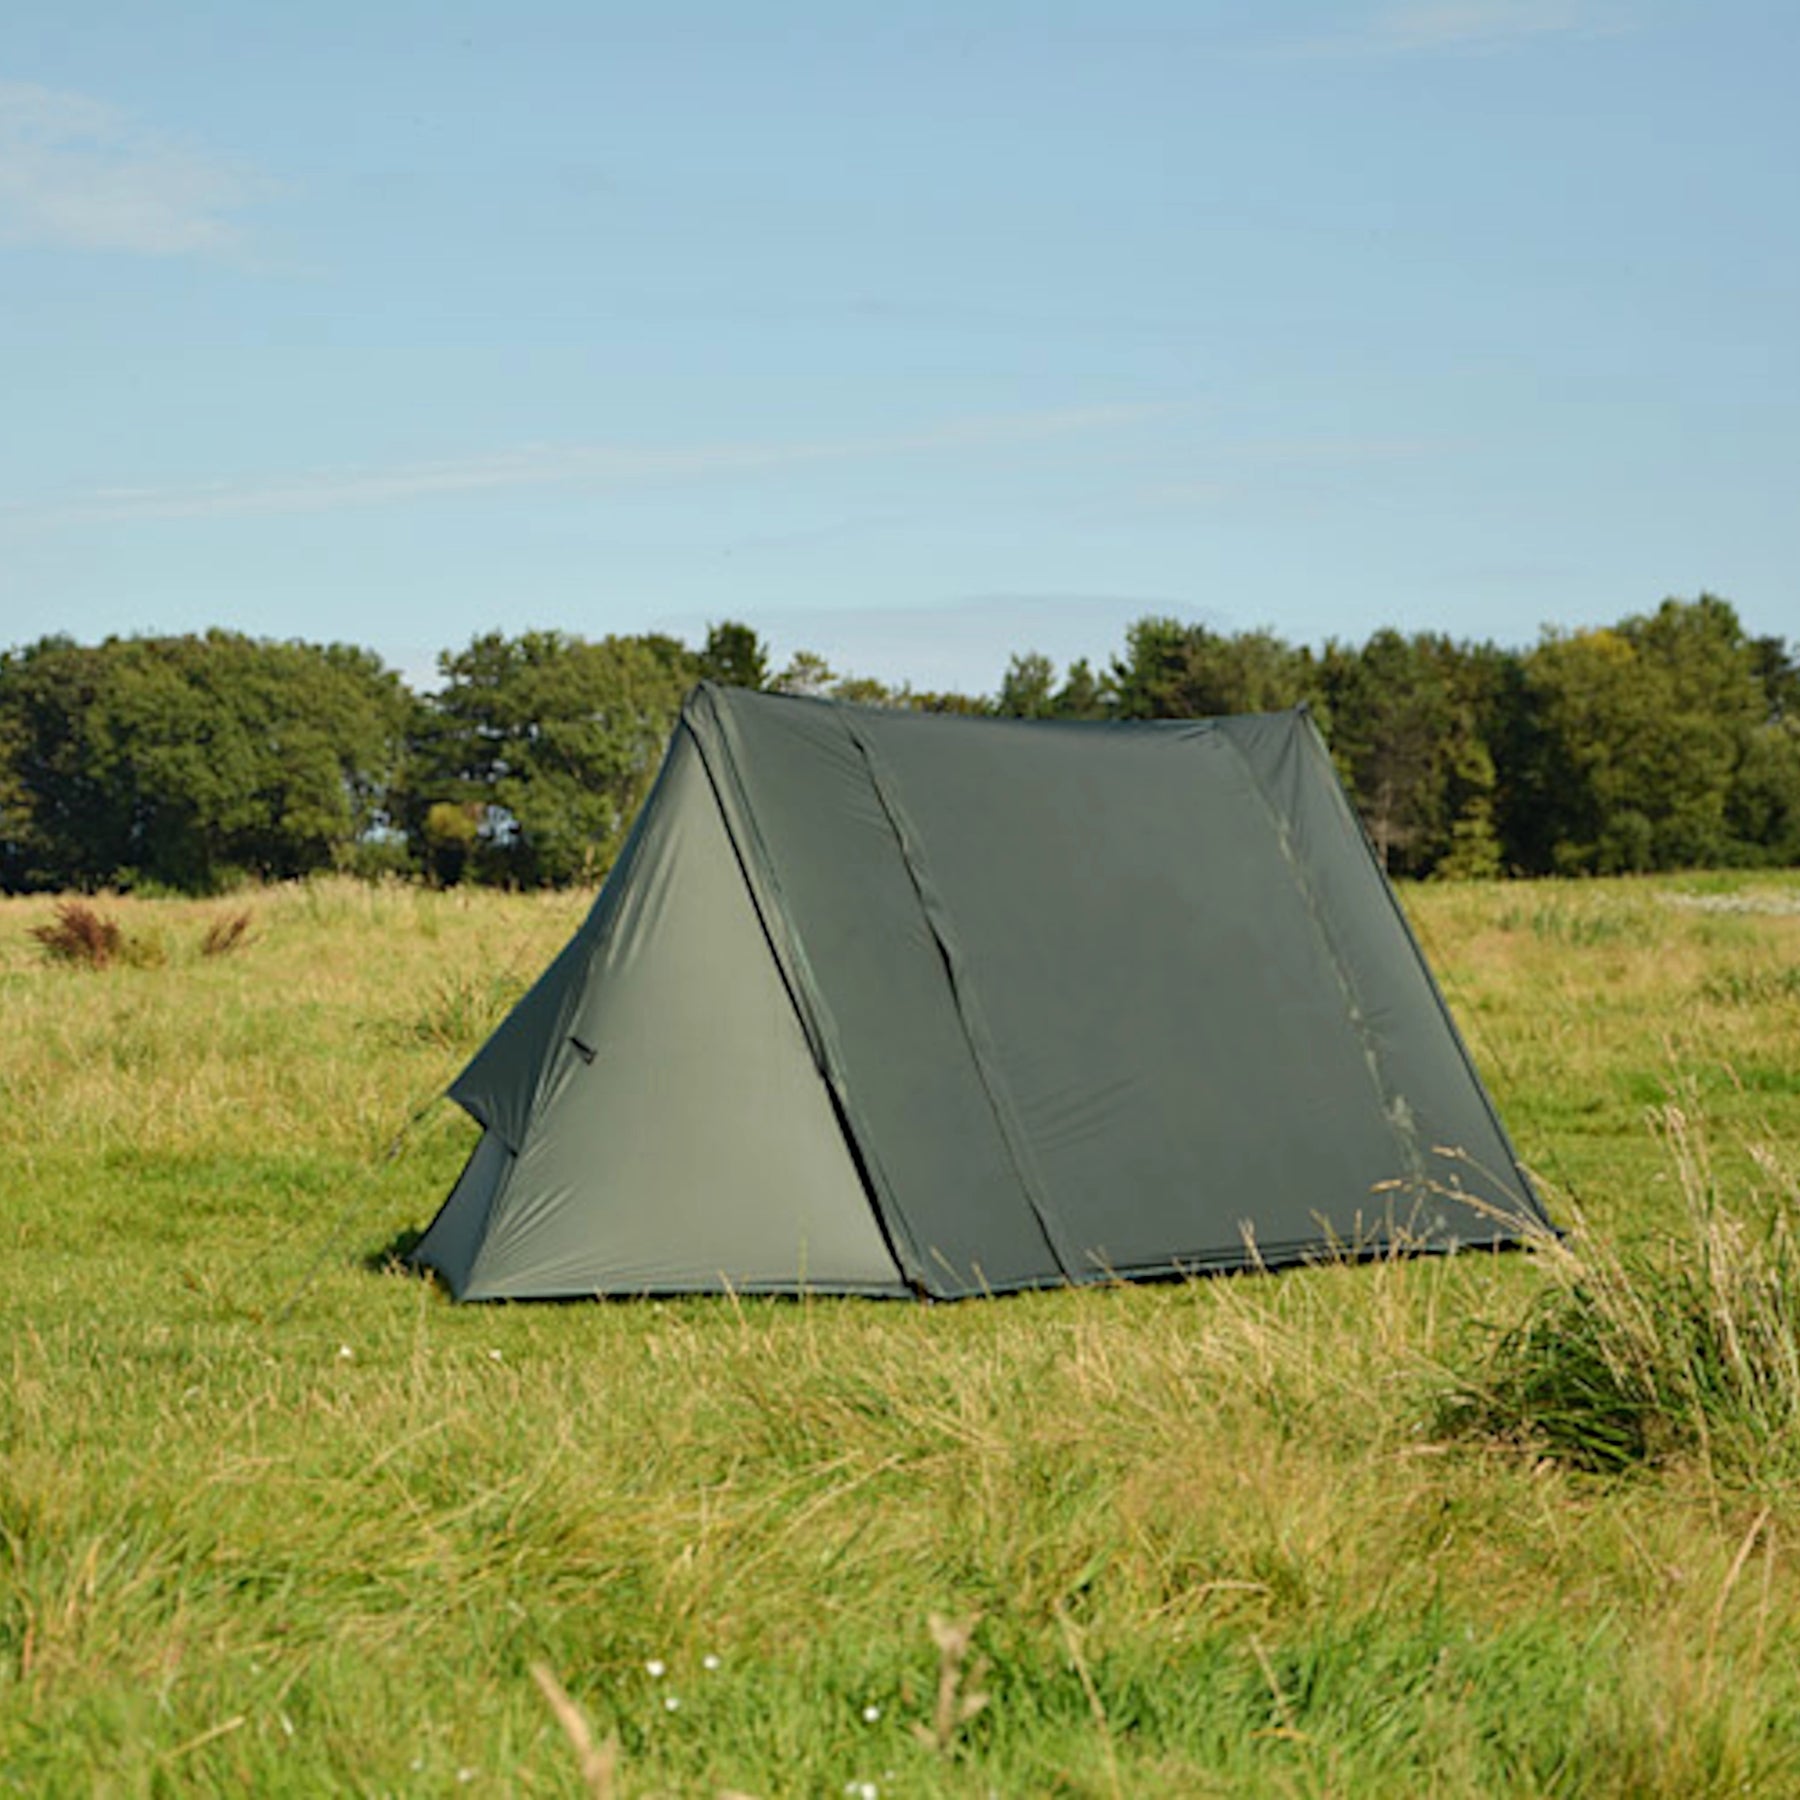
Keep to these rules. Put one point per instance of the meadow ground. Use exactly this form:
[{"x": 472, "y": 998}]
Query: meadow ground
[{"x": 274, "y": 1519}]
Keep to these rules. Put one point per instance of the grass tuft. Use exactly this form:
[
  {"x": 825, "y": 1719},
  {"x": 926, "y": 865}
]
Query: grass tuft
[
  {"x": 226, "y": 934},
  {"x": 461, "y": 1009},
  {"x": 1683, "y": 1343},
  {"x": 1752, "y": 987}
]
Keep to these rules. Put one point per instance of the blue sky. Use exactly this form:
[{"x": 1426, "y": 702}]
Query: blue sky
[{"x": 913, "y": 334}]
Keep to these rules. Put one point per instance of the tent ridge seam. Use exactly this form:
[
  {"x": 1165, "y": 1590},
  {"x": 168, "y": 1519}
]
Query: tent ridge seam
[
  {"x": 1436, "y": 990},
  {"x": 791, "y": 965},
  {"x": 1392, "y": 1102},
  {"x": 964, "y": 1003}
]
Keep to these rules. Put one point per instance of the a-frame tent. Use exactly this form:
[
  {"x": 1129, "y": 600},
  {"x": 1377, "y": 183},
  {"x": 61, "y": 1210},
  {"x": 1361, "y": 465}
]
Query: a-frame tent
[{"x": 878, "y": 1002}]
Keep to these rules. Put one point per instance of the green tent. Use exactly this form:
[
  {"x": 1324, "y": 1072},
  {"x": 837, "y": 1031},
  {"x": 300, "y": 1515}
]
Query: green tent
[{"x": 885, "y": 1003}]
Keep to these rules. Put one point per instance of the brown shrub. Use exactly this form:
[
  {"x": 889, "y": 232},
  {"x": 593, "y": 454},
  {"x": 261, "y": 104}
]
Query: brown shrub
[
  {"x": 80, "y": 935},
  {"x": 228, "y": 932}
]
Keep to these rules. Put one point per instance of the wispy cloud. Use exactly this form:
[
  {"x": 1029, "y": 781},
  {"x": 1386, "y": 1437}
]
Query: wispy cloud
[
  {"x": 76, "y": 171},
  {"x": 1478, "y": 24},
  {"x": 575, "y": 466},
  {"x": 1423, "y": 27}
]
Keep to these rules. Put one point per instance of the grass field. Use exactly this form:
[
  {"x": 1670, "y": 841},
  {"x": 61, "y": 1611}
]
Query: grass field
[{"x": 275, "y": 1520}]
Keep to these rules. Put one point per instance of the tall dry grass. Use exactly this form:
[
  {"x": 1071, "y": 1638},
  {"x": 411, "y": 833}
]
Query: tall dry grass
[{"x": 1686, "y": 1342}]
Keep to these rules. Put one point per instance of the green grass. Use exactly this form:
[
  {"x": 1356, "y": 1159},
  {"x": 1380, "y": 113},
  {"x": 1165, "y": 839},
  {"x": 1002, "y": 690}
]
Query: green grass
[{"x": 272, "y": 1520}]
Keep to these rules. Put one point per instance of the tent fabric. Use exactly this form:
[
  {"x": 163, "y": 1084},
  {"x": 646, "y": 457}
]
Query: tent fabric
[
  {"x": 662, "y": 1050},
  {"x": 879, "y": 1002}
]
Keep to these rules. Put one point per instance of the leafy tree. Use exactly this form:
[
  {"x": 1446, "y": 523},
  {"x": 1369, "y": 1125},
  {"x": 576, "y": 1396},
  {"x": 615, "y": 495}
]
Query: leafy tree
[
  {"x": 734, "y": 655},
  {"x": 1473, "y": 852},
  {"x": 1778, "y": 670},
  {"x": 1707, "y": 680},
  {"x": 807, "y": 674},
  {"x": 553, "y": 740},
  {"x": 1588, "y": 702},
  {"x": 1412, "y": 722},
  {"x": 64, "y": 823},
  {"x": 1148, "y": 681},
  {"x": 1393, "y": 714},
  {"x": 1176, "y": 671},
  {"x": 1762, "y": 810},
  {"x": 1081, "y": 695},
  {"x": 965, "y": 705},
  {"x": 1029, "y": 690},
  {"x": 865, "y": 690},
  {"x": 1653, "y": 743},
  {"x": 190, "y": 761}
]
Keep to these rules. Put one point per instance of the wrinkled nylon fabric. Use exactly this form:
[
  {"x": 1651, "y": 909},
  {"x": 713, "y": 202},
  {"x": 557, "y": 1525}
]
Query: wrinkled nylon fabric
[
  {"x": 455, "y": 1238},
  {"x": 1157, "y": 1030},
  {"x": 680, "y": 1137},
  {"x": 503, "y": 1081},
  {"x": 877, "y": 990},
  {"x": 1123, "y": 999},
  {"x": 1461, "y": 1162}
]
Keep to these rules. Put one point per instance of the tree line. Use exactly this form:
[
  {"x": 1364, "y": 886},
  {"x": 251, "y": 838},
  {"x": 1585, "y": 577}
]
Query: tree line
[{"x": 191, "y": 763}]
